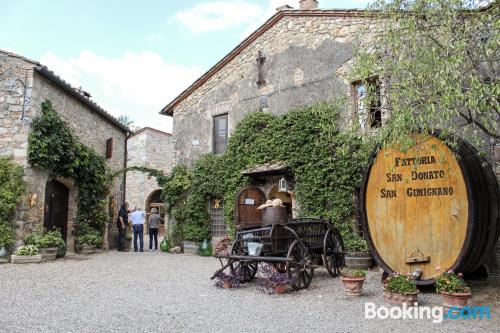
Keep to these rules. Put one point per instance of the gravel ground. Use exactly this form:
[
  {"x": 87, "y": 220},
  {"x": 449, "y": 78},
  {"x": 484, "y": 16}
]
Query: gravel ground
[{"x": 149, "y": 292}]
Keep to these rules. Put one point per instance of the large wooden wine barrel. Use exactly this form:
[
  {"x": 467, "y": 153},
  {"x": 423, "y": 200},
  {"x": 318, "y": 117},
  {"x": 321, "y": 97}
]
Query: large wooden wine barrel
[{"x": 430, "y": 208}]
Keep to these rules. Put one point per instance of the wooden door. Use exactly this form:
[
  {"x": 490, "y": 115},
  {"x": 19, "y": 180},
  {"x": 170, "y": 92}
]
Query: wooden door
[
  {"x": 56, "y": 207},
  {"x": 248, "y": 200}
]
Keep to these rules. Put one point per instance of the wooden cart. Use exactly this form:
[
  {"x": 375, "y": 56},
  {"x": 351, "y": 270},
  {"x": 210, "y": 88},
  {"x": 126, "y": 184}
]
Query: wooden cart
[{"x": 293, "y": 247}]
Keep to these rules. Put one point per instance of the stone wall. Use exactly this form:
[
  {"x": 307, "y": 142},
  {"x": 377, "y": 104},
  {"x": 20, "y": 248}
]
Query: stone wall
[
  {"x": 22, "y": 91},
  {"x": 147, "y": 148},
  {"x": 305, "y": 63}
]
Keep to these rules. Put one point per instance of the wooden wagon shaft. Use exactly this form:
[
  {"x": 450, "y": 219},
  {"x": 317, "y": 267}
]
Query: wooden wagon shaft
[{"x": 254, "y": 258}]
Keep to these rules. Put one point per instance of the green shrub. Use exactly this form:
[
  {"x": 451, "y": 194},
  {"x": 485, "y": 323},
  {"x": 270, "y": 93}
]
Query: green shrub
[
  {"x": 401, "y": 284},
  {"x": 44, "y": 239},
  {"x": 11, "y": 189},
  {"x": 27, "y": 250},
  {"x": 91, "y": 238},
  {"x": 354, "y": 243},
  {"x": 450, "y": 282}
]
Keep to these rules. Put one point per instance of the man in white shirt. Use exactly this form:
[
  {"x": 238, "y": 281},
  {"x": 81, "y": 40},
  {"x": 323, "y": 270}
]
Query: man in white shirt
[{"x": 137, "y": 218}]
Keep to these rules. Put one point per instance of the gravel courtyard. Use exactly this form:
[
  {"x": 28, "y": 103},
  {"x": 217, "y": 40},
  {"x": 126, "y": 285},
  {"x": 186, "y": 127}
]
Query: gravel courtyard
[{"x": 151, "y": 292}]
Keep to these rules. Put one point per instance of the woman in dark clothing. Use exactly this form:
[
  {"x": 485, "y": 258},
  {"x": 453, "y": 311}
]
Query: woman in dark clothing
[
  {"x": 153, "y": 222},
  {"x": 122, "y": 224}
]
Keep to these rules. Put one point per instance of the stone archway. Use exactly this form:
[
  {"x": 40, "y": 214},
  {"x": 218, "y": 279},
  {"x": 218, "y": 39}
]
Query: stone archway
[{"x": 154, "y": 200}]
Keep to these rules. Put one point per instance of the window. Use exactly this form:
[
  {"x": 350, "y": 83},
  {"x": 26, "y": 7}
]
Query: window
[
  {"x": 220, "y": 134},
  {"x": 109, "y": 148},
  {"x": 219, "y": 228},
  {"x": 368, "y": 103}
]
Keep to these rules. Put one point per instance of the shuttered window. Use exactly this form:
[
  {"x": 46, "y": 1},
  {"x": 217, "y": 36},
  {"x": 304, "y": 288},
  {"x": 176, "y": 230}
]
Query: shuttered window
[
  {"x": 109, "y": 148},
  {"x": 220, "y": 134}
]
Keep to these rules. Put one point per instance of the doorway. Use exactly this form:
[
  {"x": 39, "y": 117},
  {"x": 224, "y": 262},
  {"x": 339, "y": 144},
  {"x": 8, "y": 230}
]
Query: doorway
[
  {"x": 155, "y": 201},
  {"x": 56, "y": 207}
]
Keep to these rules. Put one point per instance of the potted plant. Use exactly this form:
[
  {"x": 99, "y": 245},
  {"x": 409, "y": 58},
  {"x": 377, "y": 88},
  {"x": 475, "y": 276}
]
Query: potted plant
[
  {"x": 6, "y": 240},
  {"x": 47, "y": 242},
  {"x": 88, "y": 242},
  {"x": 26, "y": 254},
  {"x": 227, "y": 281},
  {"x": 353, "y": 281},
  {"x": 128, "y": 242},
  {"x": 455, "y": 293},
  {"x": 357, "y": 255},
  {"x": 400, "y": 289},
  {"x": 271, "y": 281}
]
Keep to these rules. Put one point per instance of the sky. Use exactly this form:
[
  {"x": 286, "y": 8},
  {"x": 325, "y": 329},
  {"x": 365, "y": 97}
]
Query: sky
[{"x": 134, "y": 57}]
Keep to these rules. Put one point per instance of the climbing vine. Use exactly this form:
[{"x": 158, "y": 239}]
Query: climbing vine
[
  {"x": 11, "y": 189},
  {"x": 327, "y": 163},
  {"x": 53, "y": 146}
]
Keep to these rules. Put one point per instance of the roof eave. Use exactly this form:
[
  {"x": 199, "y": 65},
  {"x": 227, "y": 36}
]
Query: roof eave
[
  {"x": 169, "y": 108},
  {"x": 45, "y": 72}
]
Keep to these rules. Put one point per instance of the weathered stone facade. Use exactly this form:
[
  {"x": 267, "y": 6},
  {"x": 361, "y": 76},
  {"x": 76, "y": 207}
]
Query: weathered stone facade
[
  {"x": 24, "y": 86},
  {"x": 305, "y": 62},
  {"x": 149, "y": 148}
]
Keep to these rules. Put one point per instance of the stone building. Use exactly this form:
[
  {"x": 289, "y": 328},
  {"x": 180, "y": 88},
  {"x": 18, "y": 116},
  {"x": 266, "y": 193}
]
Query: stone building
[
  {"x": 153, "y": 149},
  {"x": 24, "y": 85},
  {"x": 297, "y": 57}
]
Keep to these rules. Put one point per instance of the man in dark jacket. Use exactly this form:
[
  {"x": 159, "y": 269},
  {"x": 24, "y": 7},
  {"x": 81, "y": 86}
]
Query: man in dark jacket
[{"x": 122, "y": 224}]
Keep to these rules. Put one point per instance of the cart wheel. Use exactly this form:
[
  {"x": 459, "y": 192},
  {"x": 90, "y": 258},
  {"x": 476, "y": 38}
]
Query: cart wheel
[
  {"x": 333, "y": 252},
  {"x": 280, "y": 267},
  {"x": 300, "y": 271}
]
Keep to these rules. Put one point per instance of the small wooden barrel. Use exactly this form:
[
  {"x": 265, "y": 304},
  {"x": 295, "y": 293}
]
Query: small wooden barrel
[
  {"x": 430, "y": 208},
  {"x": 273, "y": 215}
]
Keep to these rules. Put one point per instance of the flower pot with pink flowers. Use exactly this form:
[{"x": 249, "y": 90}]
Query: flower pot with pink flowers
[
  {"x": 455, "y": 293},
  {"x": 400, "y": 289}
]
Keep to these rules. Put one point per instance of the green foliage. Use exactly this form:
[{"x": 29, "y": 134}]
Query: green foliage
[
  {"x": 54, "y": 147},
  {"x": 354, "y": 243},
  {"x": 401, "y": 284},
  {"x": 27, "y": 250},
  {"x": 45, "y": 239},
  {"x": 450, "y": 282},
  {"x": 90, "y": 237},
  {"x": 327, "y": 164},
  {"x": 11, "y": 189},
  {"x": 439, "y": 60},
  {"x": 354, "y": 273}
]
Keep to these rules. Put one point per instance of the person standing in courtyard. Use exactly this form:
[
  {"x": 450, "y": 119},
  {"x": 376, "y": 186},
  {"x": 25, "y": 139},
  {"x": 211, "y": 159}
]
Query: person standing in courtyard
[
  {"x": 153, "y": 222},
  {"x": 122, "y": 224},
  {"x": 137, "y": 218}
]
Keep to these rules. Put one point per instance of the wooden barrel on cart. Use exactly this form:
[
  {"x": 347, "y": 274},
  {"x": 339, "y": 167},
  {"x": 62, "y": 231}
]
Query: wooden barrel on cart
[{"x": 430, "y": 208}]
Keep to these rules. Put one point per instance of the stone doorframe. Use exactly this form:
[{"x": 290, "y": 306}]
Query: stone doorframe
[{"x": 72, "y": 210}]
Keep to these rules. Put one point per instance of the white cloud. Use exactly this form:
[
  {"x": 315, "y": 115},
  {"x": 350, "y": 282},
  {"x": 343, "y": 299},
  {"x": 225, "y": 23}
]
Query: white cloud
[
  {"x": 136, "y": 84},
  {"x": 217, "y": 16}
]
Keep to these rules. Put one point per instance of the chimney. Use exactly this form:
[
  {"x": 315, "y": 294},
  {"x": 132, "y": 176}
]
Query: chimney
[{"x": 308, "y": 4}]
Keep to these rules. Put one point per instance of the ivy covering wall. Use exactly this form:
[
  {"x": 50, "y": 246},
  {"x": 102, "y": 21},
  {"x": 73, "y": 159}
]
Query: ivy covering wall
[
  {"x": 53, "y": 146},
  {"x": 327, "y": 163},
  {"x": 11, "y": 189}
]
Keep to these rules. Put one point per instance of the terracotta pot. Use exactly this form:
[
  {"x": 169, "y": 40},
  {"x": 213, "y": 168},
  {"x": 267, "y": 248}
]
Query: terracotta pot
[
  {"x": 400, "y": 299},
  {"x": 455, "y": 300},
  {"x": 280, "y": 289},
  {"x": 353, "y": 286},
  {"x": 227, "y": 285}
]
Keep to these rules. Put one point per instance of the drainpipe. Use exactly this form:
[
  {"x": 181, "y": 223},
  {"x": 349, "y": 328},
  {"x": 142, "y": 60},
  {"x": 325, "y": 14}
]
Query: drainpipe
[{"x": 125, "y": 156}]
